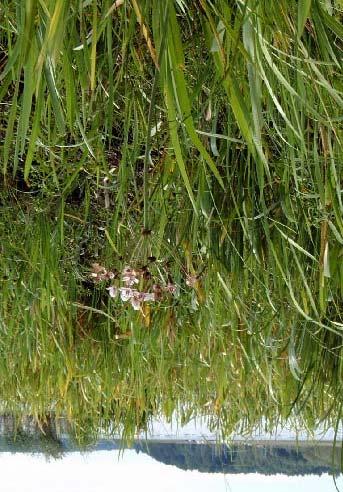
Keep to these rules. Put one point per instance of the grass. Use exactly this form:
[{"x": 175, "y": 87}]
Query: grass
[{"x": 203, "y": 141}]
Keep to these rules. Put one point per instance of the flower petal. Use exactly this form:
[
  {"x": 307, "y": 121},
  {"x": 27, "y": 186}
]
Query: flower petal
[
  {"x": 112, "y": 290},
  {"x": 135, "y": 303},
  {"x": 148, "y": 296},
  {"x": 126, "y": 294}
]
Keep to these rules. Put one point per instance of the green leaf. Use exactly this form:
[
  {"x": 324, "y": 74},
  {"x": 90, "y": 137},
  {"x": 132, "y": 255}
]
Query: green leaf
[
  {"x": 304, "y": 7},
  {"x": 179, "y": 89},
  {"x": 176, "y": 144}
]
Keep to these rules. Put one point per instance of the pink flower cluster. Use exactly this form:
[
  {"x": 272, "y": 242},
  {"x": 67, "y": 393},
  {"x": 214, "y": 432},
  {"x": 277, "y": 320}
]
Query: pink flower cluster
[
  {"x": 130, "y": 278},
  {"x": 134, "y": 296},
  {"x": 99, "y": 273}
]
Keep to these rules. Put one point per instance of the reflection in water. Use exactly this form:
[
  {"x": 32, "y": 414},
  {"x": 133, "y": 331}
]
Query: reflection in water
[
  {"x": 187, "y": 448},
  {"x": 266, "y": 458},
  {"x": 112, "y": 470}
]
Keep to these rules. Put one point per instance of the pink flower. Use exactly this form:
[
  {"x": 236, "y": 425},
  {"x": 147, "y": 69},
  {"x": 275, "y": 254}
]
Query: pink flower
[
  {"x": 100, "y": 274},
  {"x": 191, "y": 280},
  {"x": 171, "y": 288},
  {"x": 136, "y": 303},
  {"x": 148, "y": 296},
  {"x": 137, "y": 298},
  {"x": 129, "y": 276},
  {"x": 126, "y": 293},
  {"x": 112, "y": 290}
]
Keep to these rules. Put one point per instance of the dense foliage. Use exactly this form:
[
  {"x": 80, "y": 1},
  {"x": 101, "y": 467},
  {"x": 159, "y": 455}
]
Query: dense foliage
[{"x": 200, "y": 144}]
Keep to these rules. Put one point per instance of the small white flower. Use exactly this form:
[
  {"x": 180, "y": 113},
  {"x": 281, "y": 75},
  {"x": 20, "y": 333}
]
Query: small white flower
[
  {"x": 136, "y": 303},
  {"x": 113, "y": 291},
  {"x": 148, "y": 296},
  {"x": 125, "y": 294}
]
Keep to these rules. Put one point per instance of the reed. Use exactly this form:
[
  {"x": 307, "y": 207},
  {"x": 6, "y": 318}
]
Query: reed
[{"x": 199, "y": 143}]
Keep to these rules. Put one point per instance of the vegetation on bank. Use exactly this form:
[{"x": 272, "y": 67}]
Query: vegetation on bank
[
  {"x": 55, "y": 439},
  {"x": 200, "y": 144}
]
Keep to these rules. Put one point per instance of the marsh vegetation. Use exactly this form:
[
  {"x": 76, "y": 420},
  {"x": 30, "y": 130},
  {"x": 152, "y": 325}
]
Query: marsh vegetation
[{"x": 198, "y": 144}]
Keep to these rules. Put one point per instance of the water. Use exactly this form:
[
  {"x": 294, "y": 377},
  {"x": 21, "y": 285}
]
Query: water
[
  {"x": 110, "y": 470},
  {"x": 171, "y": 458}
]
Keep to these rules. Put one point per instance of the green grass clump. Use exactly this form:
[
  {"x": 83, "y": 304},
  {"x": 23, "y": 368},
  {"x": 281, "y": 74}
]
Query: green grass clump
[{"x": 202, "y": 143}]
